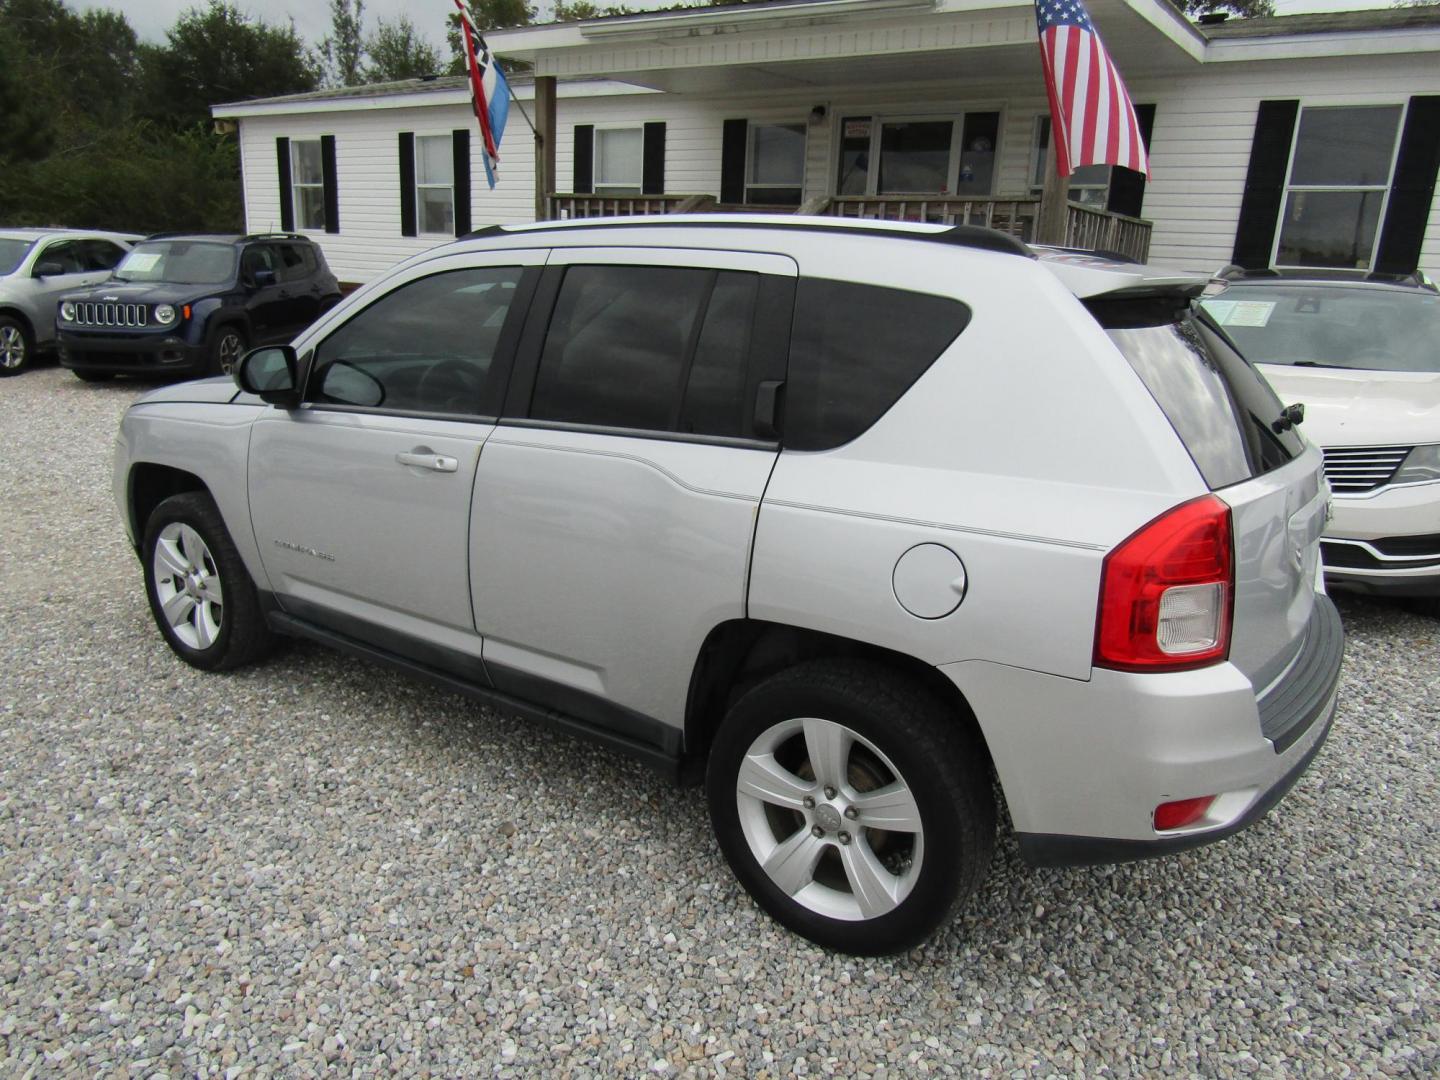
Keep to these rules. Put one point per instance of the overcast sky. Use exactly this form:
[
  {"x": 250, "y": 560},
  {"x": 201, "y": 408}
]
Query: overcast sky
[{"x": 151, "y": 18}]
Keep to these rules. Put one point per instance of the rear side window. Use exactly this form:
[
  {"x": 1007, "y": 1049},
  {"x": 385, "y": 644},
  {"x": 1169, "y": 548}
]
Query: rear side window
[
  {"x": 1221, "y": 408},
  {"x": 649, "y": 348},
  {"x": 856, "y": 349}
]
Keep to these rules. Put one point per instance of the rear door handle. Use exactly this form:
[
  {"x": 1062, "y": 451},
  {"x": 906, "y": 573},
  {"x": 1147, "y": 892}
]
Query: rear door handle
[{"x": 422, "y": 458}]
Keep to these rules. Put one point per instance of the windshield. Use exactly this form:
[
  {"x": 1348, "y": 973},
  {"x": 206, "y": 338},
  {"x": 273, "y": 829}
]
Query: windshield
[
  {"x": 181, "y": 262},
  {"x": 1336, "y": 326},
  {"x": 12, "y": 253}
]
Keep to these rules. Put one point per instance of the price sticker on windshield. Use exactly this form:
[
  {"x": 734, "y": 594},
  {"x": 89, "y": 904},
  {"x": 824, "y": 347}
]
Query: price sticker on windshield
[
  {"x": 1240, "y": 312},
  {"x": 141, "y": 261}
]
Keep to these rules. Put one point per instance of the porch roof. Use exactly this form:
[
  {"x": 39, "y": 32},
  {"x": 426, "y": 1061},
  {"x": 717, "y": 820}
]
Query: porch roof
[{"x": 794, "y": 44}]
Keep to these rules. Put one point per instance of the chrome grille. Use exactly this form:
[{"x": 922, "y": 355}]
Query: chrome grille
[
  {"x": 108, "y": 314},
  {"x": 1362, "y": 468}
]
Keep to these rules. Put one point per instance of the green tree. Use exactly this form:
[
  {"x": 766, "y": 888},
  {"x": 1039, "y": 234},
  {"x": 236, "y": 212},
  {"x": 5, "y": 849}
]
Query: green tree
[
  {"x": 1246, "y": 9},
  {"x": 397, "y": 52},
  {"x": 216, "y": 54},
  {"x": 343, "y": 52},
  {"x": 486, "y": 15}
]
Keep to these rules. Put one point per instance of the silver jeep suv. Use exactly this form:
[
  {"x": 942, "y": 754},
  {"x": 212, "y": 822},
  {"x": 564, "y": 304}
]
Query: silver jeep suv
[
  {"x": 850, "y": 520},
  {"x": 36, "y": 266}
]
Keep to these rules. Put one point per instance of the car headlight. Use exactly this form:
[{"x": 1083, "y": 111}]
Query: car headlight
[
  {"x": 1420, "y": 465},
  {"x": 164, "y": 314},
  {"x": 67, "y": 311}
]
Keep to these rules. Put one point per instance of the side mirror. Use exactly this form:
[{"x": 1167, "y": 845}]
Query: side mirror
[
  {"x": 48, "y": 269},
  {"x": 264, "y": 278},
  {"x": 272, "y": 374}
]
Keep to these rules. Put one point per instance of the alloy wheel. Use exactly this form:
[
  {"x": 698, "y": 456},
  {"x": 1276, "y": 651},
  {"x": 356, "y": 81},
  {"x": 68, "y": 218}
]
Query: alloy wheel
[
  {"x": 829, "y": 819},
  {"x": 229, "y": 351},
  {"x": 187, "y": 585},
  {"x": 12, "y": 347}
]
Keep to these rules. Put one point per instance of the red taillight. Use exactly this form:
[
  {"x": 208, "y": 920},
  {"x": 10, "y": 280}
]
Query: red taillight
[
  {"x": 1181, "y": 812},
  {"x": 1167, "y": 592}
]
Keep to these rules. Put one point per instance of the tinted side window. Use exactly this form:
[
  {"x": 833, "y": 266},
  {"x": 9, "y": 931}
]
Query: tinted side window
[
  {"x": 66, "y": 254},
  {"x": 627, "y": 343},
  {"x": 429, "y": 346},
  {"x": 102, "y": 255},
  {"x": 855, "y": 351},
  {"x": 258, "y": 257}
]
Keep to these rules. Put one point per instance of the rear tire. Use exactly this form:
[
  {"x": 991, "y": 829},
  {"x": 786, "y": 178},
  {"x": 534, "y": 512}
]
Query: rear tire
[
  {"x": 201, "y": 596},
  {"x": 17, "y": 346},
  {"x": 806, "y": 759}
]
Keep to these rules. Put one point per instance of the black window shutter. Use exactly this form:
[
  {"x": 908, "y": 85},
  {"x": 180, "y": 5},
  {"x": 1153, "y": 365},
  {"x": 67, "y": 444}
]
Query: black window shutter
[
  {"x": 461, "y": 142},
  {"x": 652, "y": 169},
  {"x": 732, "y": 161},
  {"x": 1127, "y": 187},
  {"x": 332, "y": 183},
  {"x": 407, "y": 184},
  {"x": 584, "y": 179},
  {"x": 1265, "y": 183},
  {"x": 287, "y": 202},
  {"x": 1412, "y": 190}
]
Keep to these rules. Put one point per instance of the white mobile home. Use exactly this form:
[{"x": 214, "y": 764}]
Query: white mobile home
[{"x": 1307, "y": 140}]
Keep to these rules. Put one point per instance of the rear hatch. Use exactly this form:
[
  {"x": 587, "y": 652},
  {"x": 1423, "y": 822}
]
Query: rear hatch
[{"x": 1248, "y": 452}]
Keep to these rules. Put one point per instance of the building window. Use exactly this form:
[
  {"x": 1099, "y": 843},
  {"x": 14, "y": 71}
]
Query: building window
[
  {"x": 619, "y": 156},
  {"x": 1089, "y": 184},
  {"x": 435, "y": 185},
  {"x": 775, "y": 165},
  {"x": 307, "y": 183},
  {"x": 921, "y": 156},
  {"x": 1340, "y": 170}
]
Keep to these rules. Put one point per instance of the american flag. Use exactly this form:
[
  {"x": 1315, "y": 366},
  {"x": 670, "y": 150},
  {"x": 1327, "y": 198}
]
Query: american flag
[
  {"x": 489, "y": 93},
  {"x": 1090, "y": 109}
]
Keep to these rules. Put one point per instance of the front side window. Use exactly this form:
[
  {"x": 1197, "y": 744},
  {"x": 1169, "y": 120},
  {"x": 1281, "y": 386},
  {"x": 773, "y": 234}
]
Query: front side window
[
  {"x": 775, "y": 170},
  {"x": 307, "y": 183},
  {"x": 435, "y": 185},
  {"x": 619, "y": 156},
  {"x": 1340, "y": 170},
  {"x": 940, "y": 156},
  {"x": 427, "y": 347},
  {"x": 649, "y": 348},
  {"x": 67, "y": 255},
  {"x": 182, "y": 262},
  {"x": 1089, "y": 184},
  {"x": 1358, "y": 327},
  {"x": 101, "y": 254}
]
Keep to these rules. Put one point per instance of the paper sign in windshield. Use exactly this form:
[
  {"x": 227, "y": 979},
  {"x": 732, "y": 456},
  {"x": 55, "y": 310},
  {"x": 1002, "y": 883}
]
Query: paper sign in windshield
[
  {"x": 1240, "y": 312},
  {"x": 141, "y": 261}
]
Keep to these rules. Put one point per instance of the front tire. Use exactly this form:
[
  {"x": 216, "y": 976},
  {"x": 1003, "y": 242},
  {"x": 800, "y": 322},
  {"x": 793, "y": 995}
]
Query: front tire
[
  {"x": 201, "y": 595},
  {"x": 17, "y": 346},
  {"x": 852, "y": 804},
  {"x": 226, "y": 350}
]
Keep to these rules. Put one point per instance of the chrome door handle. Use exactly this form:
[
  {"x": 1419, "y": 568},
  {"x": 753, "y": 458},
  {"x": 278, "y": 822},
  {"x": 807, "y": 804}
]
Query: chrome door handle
[{"x": 423, "y": 459}]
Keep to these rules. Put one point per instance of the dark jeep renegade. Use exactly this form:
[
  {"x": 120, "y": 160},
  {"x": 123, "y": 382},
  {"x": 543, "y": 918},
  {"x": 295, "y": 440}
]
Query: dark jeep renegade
[{"x": 191, "y": 305}]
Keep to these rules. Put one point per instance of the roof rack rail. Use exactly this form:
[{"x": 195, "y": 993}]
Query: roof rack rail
[
  {"x": 971, "y": 236},
  {"x": 274, "y": 236}
]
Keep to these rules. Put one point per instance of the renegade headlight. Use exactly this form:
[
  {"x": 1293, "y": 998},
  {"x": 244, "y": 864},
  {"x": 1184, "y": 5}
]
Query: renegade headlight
[
  {"x": 1420, "y": 465},
  {"x": 67, "y": 311},
  {"x": 164, "y": 314}
]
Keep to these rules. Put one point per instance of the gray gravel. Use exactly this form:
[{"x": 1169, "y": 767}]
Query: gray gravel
[{"x": 313, "y": 865}]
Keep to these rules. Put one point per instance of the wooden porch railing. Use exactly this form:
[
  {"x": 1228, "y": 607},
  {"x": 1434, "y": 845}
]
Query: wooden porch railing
[{"x": 1085, "y": 227}]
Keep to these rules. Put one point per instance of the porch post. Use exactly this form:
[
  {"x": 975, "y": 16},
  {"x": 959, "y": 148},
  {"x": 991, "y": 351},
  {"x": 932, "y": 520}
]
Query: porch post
[
  {"x": 544, "y": 144},
  {"x": 1054, "y": 211}
]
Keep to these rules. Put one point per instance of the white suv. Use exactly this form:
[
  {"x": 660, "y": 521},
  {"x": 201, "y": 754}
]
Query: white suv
[{"x": 850, "y": 519}]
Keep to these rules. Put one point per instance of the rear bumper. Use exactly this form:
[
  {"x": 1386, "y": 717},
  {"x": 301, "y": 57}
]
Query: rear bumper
[
  {"x": 139, "y": 354},
  {"x": 1084, "y": 764}
]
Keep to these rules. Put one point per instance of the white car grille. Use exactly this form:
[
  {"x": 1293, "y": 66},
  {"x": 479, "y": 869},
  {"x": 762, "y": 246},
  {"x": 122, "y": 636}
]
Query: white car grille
[
  {"x": 1353, "y": 469},
  {"x": 107, "y": 314}
]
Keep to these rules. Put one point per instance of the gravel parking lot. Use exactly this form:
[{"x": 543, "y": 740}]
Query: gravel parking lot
[{"x": 314, "y": 865}]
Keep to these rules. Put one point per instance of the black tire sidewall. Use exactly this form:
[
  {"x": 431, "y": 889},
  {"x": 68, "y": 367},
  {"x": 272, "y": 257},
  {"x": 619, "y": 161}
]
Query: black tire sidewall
[
  {"x": 29, "y": 341},
  {"x": 191, "y": 510},
  {"x": 944, "y": 869}
]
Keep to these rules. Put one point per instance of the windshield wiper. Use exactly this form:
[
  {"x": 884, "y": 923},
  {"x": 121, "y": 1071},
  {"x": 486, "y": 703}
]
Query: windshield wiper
[
  {"x": 117, "y": 277},
  {"x": 1314, "y": 363}
]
